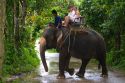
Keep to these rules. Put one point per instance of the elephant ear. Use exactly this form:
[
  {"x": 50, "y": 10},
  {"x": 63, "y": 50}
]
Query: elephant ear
[{"x": 59, "y": 37}]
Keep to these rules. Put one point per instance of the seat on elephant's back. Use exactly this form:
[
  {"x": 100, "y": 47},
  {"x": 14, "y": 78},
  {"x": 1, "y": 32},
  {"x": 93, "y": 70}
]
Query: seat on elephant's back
[{"x": 77, "y": 24}]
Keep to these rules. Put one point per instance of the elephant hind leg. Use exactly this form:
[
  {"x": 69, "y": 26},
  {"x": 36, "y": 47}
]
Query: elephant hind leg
[
  {"x": 102, "y": 62},
  {"x": 82, "y": 68},
  {"x": 99, "y": 66}
]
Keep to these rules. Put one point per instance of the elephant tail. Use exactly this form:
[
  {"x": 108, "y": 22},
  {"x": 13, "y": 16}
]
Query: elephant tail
[{"x": 99, "y": 66}]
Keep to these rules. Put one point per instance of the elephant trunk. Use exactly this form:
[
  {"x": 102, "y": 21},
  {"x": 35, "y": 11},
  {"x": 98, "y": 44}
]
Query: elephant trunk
[{"x": 42, "y": 53}]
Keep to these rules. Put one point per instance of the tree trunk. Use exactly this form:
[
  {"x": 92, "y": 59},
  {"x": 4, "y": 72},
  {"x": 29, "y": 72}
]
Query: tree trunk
[
  {"x": 19, "y": 11},
  {"x": 23, "y": 12},
  {"x": 23, "y": 15},
  {"x": 16, "y": 23},
  {"x": 2, "y": 27}
]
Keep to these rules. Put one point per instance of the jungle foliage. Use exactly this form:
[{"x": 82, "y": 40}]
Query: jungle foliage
[
  {"x": 20, "y": 55},
  {"x": 108, "y": 18},
  {"x": 25, "y": 20}
]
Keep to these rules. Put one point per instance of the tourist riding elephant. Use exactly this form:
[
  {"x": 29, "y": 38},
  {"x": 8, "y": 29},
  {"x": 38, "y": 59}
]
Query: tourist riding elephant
[{"x": 83, "y": 44}]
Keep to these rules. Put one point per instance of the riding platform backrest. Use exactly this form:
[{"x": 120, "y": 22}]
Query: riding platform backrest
[{"x": 78, "y": 24}]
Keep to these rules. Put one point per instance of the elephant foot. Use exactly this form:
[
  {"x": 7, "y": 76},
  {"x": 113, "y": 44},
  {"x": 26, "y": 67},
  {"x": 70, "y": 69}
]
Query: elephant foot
[
  {"x": 80, "y": 75},
  {"x": 70, "y": 71},
  {"x": 104, "y": 75},
  {"x": 60, "y": 76}
]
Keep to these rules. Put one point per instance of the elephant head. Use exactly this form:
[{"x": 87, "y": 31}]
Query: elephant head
[{"x": 49, "y": 40}]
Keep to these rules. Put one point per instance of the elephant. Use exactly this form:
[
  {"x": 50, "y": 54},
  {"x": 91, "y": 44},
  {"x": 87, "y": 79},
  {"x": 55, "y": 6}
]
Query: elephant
[{"x": 83, "y": 44}]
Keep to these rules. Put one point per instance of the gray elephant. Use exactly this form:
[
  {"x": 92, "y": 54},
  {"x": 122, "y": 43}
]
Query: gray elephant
[{"x": 82, "y": 44}]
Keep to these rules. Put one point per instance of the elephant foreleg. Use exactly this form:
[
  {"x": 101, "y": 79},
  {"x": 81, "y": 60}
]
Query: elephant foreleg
[
  {"x": 61, "y": 66},
  {"x": 67, "y": 61},
  {"x": 64, "y": 61}
]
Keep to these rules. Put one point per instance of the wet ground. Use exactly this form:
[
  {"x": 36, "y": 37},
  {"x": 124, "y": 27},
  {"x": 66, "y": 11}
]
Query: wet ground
[{"x": 92, "y": 74}]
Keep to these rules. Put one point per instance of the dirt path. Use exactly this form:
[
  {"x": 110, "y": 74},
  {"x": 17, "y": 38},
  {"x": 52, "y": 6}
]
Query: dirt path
[{"x": 92, "y": 74}]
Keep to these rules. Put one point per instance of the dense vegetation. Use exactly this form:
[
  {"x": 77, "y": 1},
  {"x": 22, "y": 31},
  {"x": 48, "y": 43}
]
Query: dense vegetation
[
  {"x": 25, "y": 20},
  {"x": 20, "y": 55},
  {"x": 108, "y": 18}
]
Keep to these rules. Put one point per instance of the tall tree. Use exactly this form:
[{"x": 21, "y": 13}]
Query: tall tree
[
  {"x": 16, "y": 23},
  {"x": 2, "y": 27},
  {"x": 19, "y": 11}
]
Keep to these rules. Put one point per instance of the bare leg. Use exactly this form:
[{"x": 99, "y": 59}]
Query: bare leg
[{"x": 67, "y": 19}]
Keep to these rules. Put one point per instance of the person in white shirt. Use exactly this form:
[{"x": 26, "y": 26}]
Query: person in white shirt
[{"x": 72, "y": 16}]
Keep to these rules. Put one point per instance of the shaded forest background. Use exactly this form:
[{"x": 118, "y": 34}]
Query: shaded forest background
[{"x": 26, "y": 19}]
